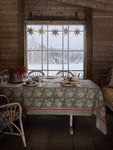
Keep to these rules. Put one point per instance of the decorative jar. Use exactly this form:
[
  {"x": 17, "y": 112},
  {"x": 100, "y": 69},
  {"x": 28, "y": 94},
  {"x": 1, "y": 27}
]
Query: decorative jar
[
  {"x": 16, "y": 74},
  {"x": 15, "y": 77}
]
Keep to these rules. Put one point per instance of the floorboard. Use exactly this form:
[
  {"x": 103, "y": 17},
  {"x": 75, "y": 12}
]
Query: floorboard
[
  {"x": 52, "y": 133},
  {"x": 82, "y": 139}
]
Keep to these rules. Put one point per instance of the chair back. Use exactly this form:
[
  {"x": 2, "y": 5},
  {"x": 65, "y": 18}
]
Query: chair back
[
  {"x": 4, "y": 100},
  {"x": 64, "y": 73},
  {"x": 12, "y": 111},
  {"x": 9, "y": 113},
  {"x": 4, "y": 72},
  {"x": 4, "y": 76},
  {"x": 36, "y": 73}
]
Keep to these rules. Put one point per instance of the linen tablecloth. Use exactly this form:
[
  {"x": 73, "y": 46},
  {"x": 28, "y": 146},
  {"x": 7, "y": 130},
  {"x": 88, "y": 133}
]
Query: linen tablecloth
[{"x": 83, "y": 100}]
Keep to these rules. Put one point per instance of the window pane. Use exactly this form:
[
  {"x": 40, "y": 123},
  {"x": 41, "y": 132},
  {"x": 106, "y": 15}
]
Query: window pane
[
  {"x": 76, "y": 60},
  {"x": 45, "y": 41},
  {"x": 55, "y": 41},
  {"x": 76, "y": 42},
  {"x": 65, "y": 60},
  {"x": 65, "y": 40},
  {"x": 34, "y": 42},
  {"x": 52, "y": 27},
  {"x": 34, "y": 60},
  {"x": 33, "y": 39},
  {"x": 45, "y": 53},
  {"x": 52, "y": 73},
  {"x": 73, "y": 27},
  {"x": 55, "y": 60}
]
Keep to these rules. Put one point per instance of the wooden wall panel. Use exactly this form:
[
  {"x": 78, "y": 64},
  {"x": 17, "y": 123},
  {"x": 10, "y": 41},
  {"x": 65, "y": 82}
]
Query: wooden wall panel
[
  {"x": 95, "y": 4},
  {"x": 102, "y": 43},
  {"x": 8, "y": 33},
  {"x": 52, "y": 8}
]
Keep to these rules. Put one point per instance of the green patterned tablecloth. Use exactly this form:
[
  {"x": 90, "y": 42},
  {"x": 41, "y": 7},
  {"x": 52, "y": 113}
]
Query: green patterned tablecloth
[{"x": 84, "y": 100}]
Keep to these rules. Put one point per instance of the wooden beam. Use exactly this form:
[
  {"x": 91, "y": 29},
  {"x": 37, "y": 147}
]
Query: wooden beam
[
  {"x": 95, "y": 4},
  {"x": 104, "y": 1},
  {"x": 89, "y": 34},
  {"x": 21, "y": 32}
]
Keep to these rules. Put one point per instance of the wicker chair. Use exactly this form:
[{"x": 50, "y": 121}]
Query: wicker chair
[
  {"x": 4, "y": 100},
  {"x": 4, "y": 76},
  {"x": 35, "y": 73},
  {"x": 64, "y": 73},
  {"x": 4, "y": 72},
  {"x": 10, "y": 116}
]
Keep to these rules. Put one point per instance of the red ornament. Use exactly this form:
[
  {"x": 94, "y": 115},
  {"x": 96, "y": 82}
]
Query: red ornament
[{"x": 55, "y": 32}]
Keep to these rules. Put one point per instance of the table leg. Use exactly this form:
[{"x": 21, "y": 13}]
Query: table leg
[{"x": 71, "y": 124}]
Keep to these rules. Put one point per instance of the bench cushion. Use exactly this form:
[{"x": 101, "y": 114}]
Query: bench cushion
[{"x": 108, "y": 94}]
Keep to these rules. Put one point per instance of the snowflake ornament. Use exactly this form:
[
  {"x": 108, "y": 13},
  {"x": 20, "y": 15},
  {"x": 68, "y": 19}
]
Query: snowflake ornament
[
  {"x": 65, "y": 31},
  {"x": 77, "y": 31},
  {"x": 41, "y": 31},
  {"x": 55, "y": 32},
  {"x": 30, "y": 31}
]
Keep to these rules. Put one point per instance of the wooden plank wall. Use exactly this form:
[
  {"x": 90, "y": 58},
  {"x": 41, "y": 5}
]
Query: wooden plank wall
[
  {"x": 12, "y": 31},
  {"x": 102, "y": 43},
  {"x": 95, "y": 4},
  {"x": 8, "y": 33},
  {"x": 52, "y": 8}
]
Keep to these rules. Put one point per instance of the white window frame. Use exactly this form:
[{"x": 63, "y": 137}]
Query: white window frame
[{"x": 57, "y": 23}]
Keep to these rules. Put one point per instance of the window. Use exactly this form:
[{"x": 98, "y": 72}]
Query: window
[{"x": 51, "y": 48}]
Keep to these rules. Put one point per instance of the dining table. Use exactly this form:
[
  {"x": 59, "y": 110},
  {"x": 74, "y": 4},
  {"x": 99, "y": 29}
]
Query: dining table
[{"x": 52, "y": 98}]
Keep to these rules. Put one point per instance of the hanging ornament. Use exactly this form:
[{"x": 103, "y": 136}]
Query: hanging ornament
[
  {"x": 65, "y": 31},
  {"x": 77, "y": 31},
  {"x": 30, "y": 31},
  {"x": 55, "y": 32},
  {"x": 41, "y": 31}
]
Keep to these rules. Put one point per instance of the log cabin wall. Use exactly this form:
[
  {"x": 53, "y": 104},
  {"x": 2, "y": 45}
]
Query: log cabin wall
[
  {"x": 14, "y": 12},
  {"x": 102, "y": 43},
  {"x": 8, "y": 33},
  {"x": 11, "y": 52},
  {"x": 51, "y": 8}
]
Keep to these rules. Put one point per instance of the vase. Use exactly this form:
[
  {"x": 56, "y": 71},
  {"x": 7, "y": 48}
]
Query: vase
[{"x": 15, "y": 78}]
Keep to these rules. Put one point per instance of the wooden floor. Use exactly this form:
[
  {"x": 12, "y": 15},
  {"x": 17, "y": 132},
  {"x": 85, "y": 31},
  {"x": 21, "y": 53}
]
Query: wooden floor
[{"x": 52, "y": 133}]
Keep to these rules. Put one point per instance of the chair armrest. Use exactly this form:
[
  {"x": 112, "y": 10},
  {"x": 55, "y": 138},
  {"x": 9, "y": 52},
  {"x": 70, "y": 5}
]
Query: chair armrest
[
  {"x": 12, "y": 110},
  {"x": 4, "y": 100}
]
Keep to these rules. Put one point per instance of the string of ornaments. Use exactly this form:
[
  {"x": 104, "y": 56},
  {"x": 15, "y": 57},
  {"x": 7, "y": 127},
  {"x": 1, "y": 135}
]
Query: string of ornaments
[{"x": 55, "y": 32}]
